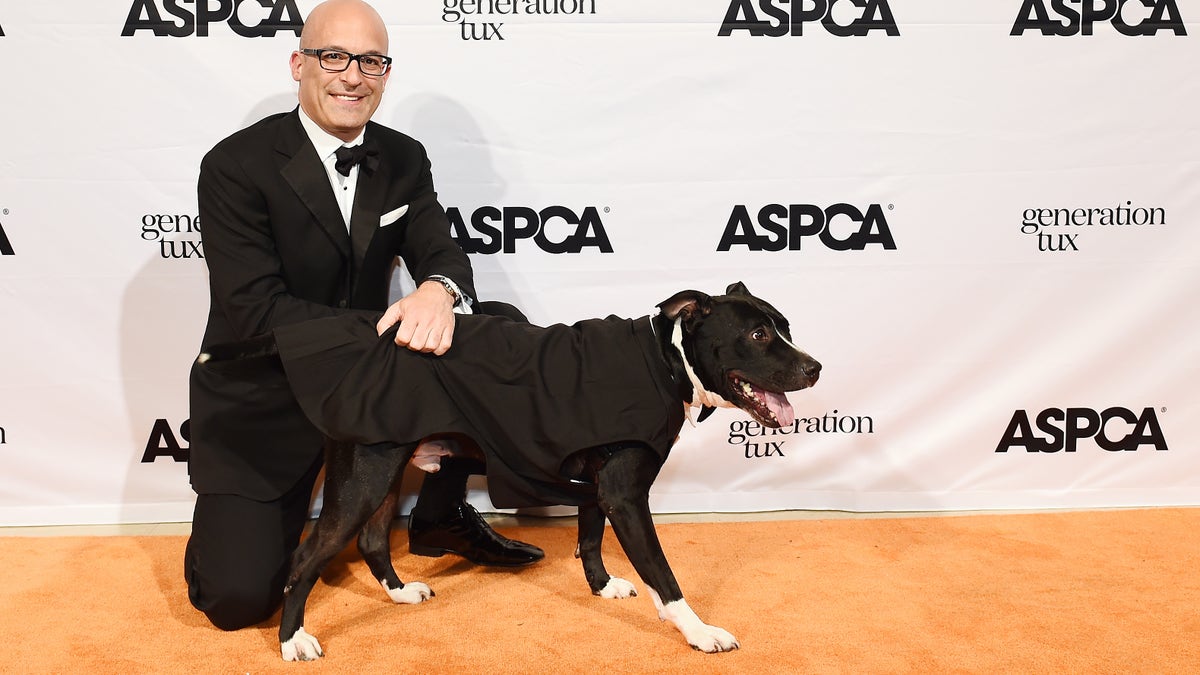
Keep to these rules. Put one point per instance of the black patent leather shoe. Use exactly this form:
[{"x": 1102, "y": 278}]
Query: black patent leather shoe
[{"x": 465, "y": 533}]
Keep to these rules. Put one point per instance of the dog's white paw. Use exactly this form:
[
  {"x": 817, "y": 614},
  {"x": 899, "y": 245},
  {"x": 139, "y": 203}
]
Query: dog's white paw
[
  {"x": 711, "y": 639},
  {"x": 412, "y": 593},
  {"x": 302, "y": 647},
  {"x": 699, "y": 635},
  {"x": 617, "y": 588}
]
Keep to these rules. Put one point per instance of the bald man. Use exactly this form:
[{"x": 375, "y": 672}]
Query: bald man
[{"x": 304, "y": 214}]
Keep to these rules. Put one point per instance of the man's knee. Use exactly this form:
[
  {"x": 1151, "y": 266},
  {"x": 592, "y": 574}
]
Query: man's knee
[
  {"x": 232, "y": 599},
  {"x": 234, "y": 606},
  {"x": 239, "y": 553}
]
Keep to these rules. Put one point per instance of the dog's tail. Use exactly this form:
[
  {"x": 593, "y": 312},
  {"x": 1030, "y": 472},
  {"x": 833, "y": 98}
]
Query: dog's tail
[{"x": 242, "y": 357}]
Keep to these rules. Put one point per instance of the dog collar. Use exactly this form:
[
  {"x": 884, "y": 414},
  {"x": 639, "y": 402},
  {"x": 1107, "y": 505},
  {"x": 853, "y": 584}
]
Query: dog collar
[{"x": 703, "y": 397}]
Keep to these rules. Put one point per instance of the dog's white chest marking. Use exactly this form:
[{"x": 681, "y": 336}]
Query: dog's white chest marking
[{"x": 703, "y": 396}]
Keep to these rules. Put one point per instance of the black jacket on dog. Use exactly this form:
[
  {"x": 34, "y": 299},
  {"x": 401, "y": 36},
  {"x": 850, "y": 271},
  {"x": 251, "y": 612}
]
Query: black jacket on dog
[{"x": 516, "y": 389}]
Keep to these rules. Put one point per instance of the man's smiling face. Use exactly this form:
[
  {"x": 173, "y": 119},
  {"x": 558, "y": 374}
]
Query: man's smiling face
[{"x": 340, "y": 103}]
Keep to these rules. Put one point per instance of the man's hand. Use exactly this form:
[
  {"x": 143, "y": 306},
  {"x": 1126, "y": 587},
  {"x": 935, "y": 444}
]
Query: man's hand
[{"x": 426, "y": 318}]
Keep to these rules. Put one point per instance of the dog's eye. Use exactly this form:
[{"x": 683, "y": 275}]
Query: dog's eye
[{"x": 759, "y": 335}]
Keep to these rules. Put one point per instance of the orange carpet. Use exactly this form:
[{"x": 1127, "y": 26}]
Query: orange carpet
[{"x": 1091, "y": 592}]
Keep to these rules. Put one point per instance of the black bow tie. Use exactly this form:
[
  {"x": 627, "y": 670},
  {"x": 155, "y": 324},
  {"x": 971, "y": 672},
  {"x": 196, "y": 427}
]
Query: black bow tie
[{"x": 347, "y": 158}]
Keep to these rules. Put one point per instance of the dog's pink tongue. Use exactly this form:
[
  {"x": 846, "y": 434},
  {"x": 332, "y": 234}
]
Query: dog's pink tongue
[{"x": 778, "y": 404}]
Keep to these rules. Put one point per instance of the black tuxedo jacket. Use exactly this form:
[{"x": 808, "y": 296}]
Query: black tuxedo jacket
[{"x": 278, "y": 252}]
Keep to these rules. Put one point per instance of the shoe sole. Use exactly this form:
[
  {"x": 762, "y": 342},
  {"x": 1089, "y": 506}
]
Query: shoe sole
[{"x": 436, "y": 552}]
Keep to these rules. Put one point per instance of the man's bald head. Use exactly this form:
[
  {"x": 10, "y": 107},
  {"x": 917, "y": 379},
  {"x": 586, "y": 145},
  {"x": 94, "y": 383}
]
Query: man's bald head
[
  {"x": 340, "y": 102},
  {"x": 330, "y": 15}
]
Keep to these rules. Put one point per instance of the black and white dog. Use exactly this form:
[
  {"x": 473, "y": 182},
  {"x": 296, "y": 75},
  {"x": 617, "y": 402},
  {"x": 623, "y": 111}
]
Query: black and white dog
[{"x": 580, "y": 415}]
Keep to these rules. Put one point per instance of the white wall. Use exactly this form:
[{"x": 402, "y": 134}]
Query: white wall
[{"x": 950, "y": 134}]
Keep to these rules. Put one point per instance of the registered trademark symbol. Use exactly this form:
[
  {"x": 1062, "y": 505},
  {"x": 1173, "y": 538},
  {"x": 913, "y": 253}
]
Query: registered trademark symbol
[
  {"x": 891, "y": 207},
  {"x": 606, "y": 209},
  {"x": 6, "y": 212}
]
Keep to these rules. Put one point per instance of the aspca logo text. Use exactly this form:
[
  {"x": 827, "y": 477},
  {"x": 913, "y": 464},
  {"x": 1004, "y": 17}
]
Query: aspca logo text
[
  {"x": 554, "y": 229},
  {"x": 3, "y": 436},
  {"x": 156, "y": 227},
  {"x": 1115, "y": 429},
  {"x": 248, "y": 18},
  {"x": 841, "y": 227},
  {"x": 6, "y": 247},
  {"x": 164, "y": 443},
  {"x": 1076, "y": 17},
  {"x": 777, "y": 18}
]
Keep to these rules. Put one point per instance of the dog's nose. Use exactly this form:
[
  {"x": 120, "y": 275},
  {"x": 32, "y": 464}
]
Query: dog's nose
[{"x": 811, "y": 369}]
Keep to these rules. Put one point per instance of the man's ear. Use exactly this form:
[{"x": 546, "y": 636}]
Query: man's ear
[
  {"x": 294, "y": 64},
  {"x": 687, "y": 305}
]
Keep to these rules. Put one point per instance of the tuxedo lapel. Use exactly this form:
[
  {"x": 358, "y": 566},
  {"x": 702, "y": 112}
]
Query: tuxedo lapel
[
  {"x": 306, "y": 175},
  {"x": 368, "y": 205}
]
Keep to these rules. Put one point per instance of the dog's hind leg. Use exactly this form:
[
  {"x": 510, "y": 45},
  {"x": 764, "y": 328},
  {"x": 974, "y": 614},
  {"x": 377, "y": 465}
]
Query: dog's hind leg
[
  {"x": 374, "y": 543},
  {"x": 356, "y": 482},
  {"x": 591, "y": 536},
  {"x": 624, "y": 495}
]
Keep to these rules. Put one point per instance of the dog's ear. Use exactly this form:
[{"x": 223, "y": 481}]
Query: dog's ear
[
  {"x": 737, "y": 288},
  {"x": 686, "y": 305}
]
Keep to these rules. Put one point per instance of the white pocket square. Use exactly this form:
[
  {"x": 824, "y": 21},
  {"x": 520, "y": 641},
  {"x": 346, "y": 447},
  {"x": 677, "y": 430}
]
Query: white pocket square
[{"x": 392, "y": 216}]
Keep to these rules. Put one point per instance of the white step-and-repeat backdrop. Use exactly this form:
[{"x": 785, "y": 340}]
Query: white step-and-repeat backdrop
[{"x": 983, "y": 219}]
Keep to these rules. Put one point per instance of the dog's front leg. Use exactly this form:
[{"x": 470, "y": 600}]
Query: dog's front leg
[
  {"x": 624, "y": 496},
  {"x": 375, "y": 545},
  {"x": 357, "y": 479},
  {"x": 591, "y": 536}
]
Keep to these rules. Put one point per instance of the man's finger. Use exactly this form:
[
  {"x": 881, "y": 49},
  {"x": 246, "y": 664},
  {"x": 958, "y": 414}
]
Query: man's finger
[
  {"x": 404, "y": 334},
  {"x": 444, "y": 343},
  {"x": 420, "y": 339},
  {"x": 389, "y": 319}
]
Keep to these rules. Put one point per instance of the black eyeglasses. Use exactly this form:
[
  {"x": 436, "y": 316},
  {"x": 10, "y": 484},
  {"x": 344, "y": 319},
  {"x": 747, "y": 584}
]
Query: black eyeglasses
[{"x": 336, "y": 61}]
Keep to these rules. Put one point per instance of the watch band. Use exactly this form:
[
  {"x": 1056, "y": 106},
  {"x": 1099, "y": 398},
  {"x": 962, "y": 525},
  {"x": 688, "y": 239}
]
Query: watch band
[{"x": 449, "y": 286}]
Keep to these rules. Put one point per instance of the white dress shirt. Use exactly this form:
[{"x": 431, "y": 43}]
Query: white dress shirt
[
  {"x": 327, "y": 146},
  {"x": 344, "y": 187}
]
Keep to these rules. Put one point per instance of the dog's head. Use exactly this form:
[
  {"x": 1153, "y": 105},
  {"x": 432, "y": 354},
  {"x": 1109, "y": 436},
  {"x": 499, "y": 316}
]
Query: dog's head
[{"x": 739, "y": 347}]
